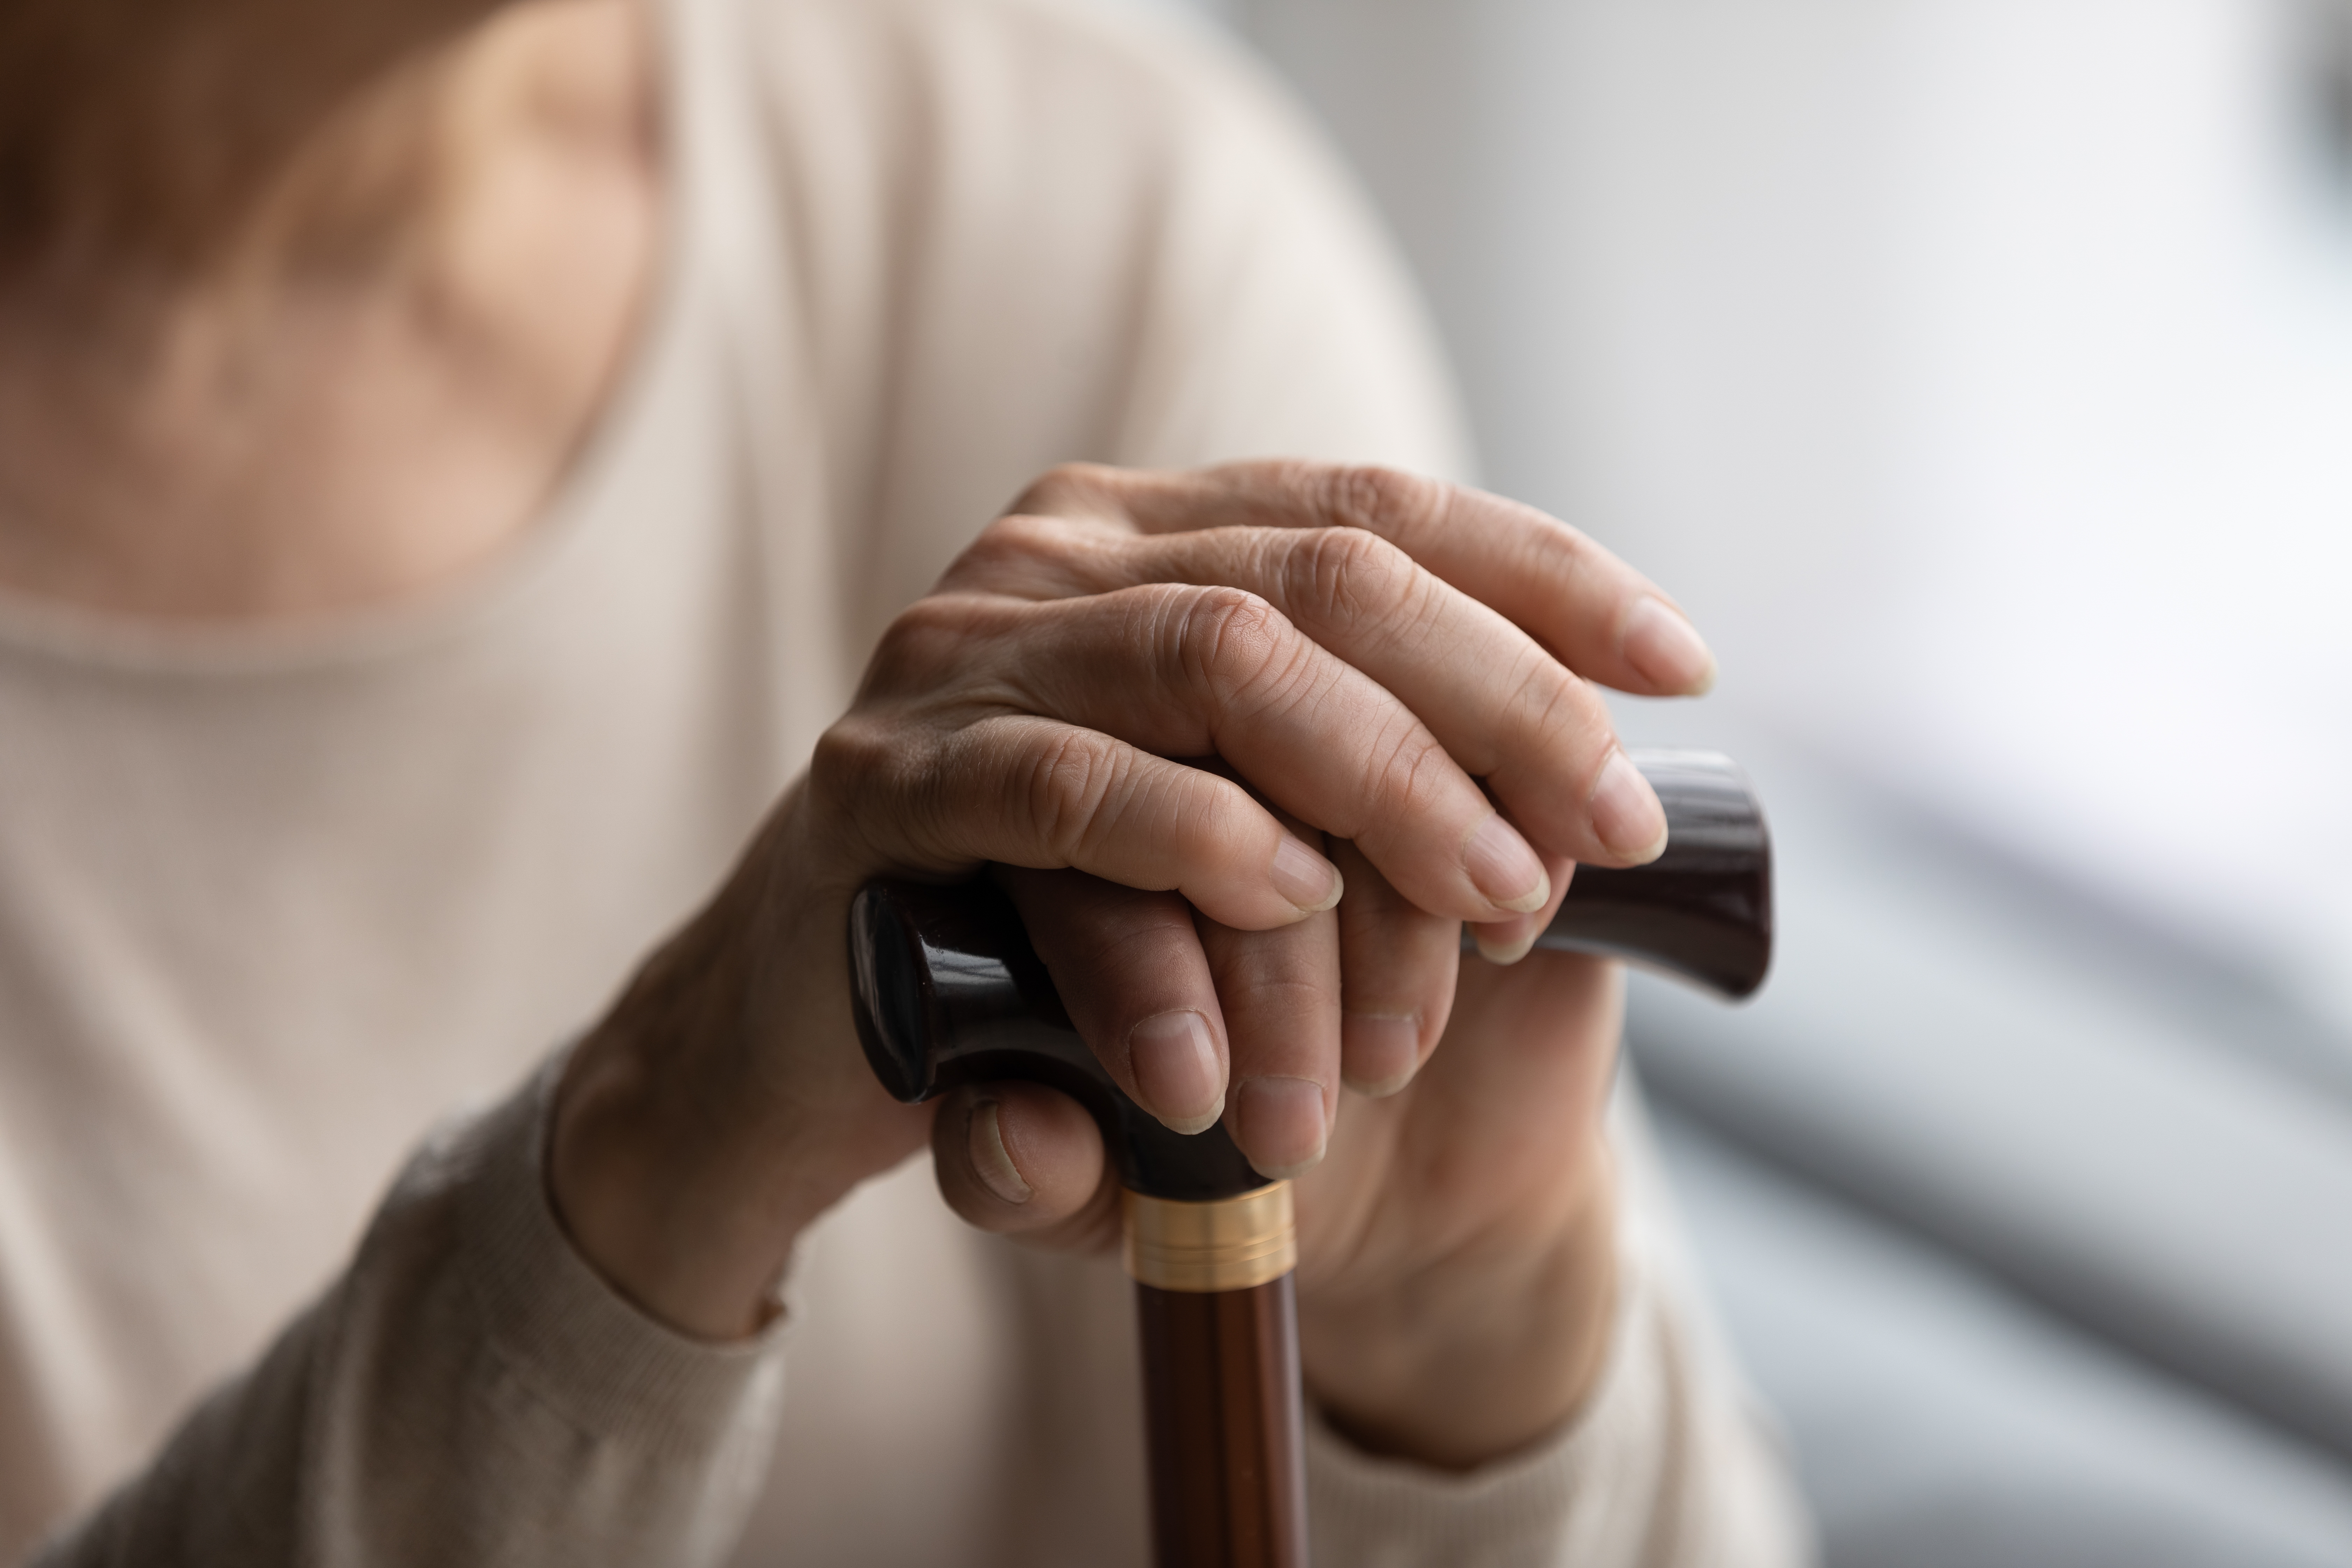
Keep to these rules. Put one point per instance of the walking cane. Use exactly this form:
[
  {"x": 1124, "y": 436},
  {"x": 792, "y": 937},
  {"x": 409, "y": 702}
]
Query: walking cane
[{"x": 948, "y": 991}]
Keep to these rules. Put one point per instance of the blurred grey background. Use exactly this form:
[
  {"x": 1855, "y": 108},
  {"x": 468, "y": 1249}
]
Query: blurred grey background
[{"x": 1979, "y": 372}]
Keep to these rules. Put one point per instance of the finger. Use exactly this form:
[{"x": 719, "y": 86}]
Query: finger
[
  {"x": 1020, "y": 1159},
  {"x": 1024, "y": 1160},
  {"x": 1280, "y": 993},
  {"x": 1131, "y": 974},
  {"x": 1505, "y": 943},
  {"x": 1398, "y": 965},
  {"x": 1500, "y": 704},
  {"x": 1031, "y": 791},
  {"x": 1182, "y": 670},
  {"x": 1158, "y": 990},
  {"x": 1604, "y": 619}
]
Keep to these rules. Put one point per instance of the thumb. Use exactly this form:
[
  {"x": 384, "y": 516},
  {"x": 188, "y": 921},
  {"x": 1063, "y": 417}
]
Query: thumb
[{"x": 1025, "y": 1161}]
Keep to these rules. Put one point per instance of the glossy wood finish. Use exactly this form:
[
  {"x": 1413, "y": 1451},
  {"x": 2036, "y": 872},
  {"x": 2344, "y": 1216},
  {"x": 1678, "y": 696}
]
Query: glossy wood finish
[
  {"x": 1701, "y": 912},
  {"x": 945, "y": 989},
  {"x": 1225, "y": 1426}
]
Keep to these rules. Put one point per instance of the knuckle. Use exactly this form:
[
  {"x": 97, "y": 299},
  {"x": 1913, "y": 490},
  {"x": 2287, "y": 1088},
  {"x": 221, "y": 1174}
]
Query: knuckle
[
  {"x": 1070, "y": 778},
  {"x": 930, "y": 635},
  {"x": 1385, "y": 501},
  {"x": 1299, "y": 480},
  {"x": 1235, "y": 643},
  {"x": 1012, "y": 552},
  {"x": 861, "y": 760},
  {"x": 1347, "y": 574},
  {"x": 1016, "y": 533},
  {"x": 1554, "y": 552},
  {"x": 1555, "y": 705},
  {"x": 1413, "y": 768},
  {"x": 1069, "y": 488}
]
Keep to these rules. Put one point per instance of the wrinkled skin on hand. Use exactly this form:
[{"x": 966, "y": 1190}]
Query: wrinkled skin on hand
[{"x": 1247, "y": 747}]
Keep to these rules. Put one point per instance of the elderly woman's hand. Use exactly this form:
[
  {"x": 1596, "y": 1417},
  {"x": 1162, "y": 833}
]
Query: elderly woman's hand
[{"x": 1386, "y": 682}]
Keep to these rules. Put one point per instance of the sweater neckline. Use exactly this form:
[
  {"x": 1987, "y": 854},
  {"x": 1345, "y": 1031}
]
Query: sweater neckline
[{"x": 55, "y": 631}]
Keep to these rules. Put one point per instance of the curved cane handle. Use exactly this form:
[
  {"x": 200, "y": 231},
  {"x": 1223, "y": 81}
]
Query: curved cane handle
[
  {"x": 947, "y": 990},
  {"x": 1701, "y": 912}
]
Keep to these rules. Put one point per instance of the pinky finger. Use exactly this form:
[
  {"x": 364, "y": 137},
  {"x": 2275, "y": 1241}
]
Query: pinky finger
[
  {"x": 1507, "y": 942},
  {"x": 1398, "y": 968}
]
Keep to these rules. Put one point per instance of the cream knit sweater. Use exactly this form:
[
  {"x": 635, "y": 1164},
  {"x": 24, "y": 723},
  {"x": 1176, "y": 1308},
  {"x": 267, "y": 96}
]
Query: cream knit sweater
[{"x": 272, "y": 903}]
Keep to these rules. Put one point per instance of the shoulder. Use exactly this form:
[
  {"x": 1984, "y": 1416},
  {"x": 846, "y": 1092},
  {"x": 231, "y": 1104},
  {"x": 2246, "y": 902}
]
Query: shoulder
[
  {"x": 1089, "y": 124},
  {"x": 1023, "y": 232}
]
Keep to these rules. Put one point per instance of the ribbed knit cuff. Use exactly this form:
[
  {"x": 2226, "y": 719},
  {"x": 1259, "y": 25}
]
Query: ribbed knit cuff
[
  {"x": 1581, "y": 1496},
  {"x": 568, "y": 1337}
]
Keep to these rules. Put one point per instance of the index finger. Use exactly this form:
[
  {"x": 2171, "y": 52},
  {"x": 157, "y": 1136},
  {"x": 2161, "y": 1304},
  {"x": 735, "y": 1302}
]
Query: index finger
[{"x": 1591, "y": 611}]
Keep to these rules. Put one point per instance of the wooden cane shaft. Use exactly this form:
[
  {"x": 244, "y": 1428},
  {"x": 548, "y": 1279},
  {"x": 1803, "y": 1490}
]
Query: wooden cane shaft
[{"x": 1222, "y": 1407}]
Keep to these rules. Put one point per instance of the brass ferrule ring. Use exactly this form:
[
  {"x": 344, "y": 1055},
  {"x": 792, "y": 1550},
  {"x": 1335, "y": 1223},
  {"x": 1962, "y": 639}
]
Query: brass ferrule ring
[{"x": 1231, "y": 1244}]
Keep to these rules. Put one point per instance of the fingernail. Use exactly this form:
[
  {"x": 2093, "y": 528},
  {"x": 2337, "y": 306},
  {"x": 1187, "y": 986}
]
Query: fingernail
[
  {"x": 989, "y": 1157},
  {"x": 1505, "y": 943},
  {"x": 1279, "y": 1122},
  {"x": 1626, "y": 813},
  {"x": 1305, "y": 878},
  {"x": 1667, "y": 649},
  {"x": 1381, "y": 1051},
  {"x": 1503, "y": 867},
  {"x": 1176, "y": 1074}
]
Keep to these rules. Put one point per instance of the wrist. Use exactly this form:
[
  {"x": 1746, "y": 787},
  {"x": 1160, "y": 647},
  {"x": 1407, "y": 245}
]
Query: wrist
[
  {"x": 1476, "y": 1360},
  {"x": 660, "y": 1214},
  {"x": 700, "y": 1129}
]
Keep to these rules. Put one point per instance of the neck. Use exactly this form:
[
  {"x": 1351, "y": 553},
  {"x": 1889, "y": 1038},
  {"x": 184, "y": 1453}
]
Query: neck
[
  {"x": 144, "y": 135},
  {"x": 304, "y": 305}
]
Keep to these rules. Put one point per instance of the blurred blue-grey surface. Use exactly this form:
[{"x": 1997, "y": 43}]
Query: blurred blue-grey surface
[{"x": 2037, "y": 1264}]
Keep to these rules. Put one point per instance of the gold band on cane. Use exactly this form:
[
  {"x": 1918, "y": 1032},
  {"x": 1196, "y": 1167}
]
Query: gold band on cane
[{"x": 1231, "y": 1244}]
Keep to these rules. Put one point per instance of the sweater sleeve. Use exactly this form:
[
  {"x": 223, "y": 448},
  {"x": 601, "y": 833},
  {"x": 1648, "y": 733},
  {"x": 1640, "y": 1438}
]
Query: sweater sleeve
[{"x": 468, "y": 1391}]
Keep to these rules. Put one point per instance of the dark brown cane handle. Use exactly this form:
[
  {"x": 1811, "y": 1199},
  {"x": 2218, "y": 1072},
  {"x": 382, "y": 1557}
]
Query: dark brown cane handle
[{"x": 948, "y": 991}]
